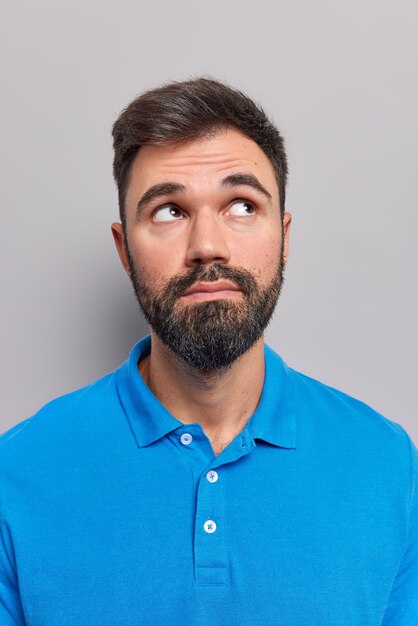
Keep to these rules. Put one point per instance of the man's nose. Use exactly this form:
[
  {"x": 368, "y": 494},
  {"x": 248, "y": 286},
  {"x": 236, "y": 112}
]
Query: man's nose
[{"x": 206, "y": 242}]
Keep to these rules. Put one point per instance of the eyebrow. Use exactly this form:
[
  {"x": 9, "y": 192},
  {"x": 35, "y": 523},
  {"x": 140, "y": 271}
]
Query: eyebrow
[
  {"x": 156, "y": 191},
  {"x": 233, "y": 180}
]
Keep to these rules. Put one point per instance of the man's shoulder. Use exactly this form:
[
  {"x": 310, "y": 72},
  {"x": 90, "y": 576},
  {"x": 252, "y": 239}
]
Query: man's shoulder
[
  {"x": 60, "y": 418},
  {"x": 348, "y": 419},
  {"x": 316, "y": 393},
  {"x": 330, "y": 418},
  {"x": 341, "y": 414}
]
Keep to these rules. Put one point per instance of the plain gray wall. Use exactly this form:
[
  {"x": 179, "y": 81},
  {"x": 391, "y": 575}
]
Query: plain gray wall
[{"x": 340, "y": 80}]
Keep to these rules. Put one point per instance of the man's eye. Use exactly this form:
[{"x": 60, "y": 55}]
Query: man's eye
[
  {"x": 168, "y": 213},
  {"x": 241, "y": 208}
]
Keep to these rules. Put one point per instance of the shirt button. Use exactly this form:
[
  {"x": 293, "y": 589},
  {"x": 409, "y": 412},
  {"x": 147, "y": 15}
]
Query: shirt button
[
  {"x": 186, "y": 438},
  {"x": 212, "y": 476},
  {"x": 209, "y": 526}
]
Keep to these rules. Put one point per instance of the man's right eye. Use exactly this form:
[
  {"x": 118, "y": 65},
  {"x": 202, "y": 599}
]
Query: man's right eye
[{"x": 167, "y": 213}]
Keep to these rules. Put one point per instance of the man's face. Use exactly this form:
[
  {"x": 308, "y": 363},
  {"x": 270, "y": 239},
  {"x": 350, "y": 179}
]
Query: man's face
[{"x": 205, "y": 246}]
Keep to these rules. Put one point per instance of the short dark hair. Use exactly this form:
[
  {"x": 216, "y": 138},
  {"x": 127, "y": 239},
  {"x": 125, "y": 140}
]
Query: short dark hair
[{"x": 186, "y": 110}]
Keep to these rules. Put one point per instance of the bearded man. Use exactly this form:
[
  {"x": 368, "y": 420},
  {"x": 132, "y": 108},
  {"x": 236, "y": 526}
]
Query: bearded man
[{"x": 204, "y": 481}]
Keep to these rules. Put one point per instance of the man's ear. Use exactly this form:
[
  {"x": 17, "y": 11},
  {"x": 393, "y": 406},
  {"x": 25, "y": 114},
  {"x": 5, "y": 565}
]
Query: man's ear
[
  {"x": 118, "y": 236},
  {"x": 287, "y": 219}
]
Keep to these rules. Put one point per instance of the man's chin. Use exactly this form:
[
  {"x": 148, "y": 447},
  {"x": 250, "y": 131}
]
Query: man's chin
[
  {"x": 209, "y": 340},
  {"x": 212, "y": 311}
]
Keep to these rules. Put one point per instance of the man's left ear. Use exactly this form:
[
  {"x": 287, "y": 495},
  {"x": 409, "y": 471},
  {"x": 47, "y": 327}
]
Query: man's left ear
[{"x": 287, "y": 219}]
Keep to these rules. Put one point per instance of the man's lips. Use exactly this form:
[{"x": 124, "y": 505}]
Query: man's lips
[{"x": 205, "y": 291}]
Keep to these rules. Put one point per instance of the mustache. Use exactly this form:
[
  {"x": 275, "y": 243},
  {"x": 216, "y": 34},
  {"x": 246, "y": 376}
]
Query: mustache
[{"x": 239, "y": 276}]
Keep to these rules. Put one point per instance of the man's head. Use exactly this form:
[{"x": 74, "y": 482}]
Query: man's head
[
  {"x": 201, "y": 174},
  {"x": 193, "y": 109}
]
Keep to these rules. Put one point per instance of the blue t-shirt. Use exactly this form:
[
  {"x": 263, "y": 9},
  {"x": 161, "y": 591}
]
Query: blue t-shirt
[{"x": 115, "y": 513}]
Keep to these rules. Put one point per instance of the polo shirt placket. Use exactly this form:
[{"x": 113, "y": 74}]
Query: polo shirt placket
[{"x": 210, "y": 524}]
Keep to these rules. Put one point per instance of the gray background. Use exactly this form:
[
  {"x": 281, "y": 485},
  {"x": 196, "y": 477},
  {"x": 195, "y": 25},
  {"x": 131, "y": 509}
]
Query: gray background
[{"x": 339, "y": 78}]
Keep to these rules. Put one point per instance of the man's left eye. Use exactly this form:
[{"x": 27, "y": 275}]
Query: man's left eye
[{"x": 241, "y": 208}]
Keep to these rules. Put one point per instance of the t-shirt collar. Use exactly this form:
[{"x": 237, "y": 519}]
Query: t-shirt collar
[{"x": 273, "y": 421}]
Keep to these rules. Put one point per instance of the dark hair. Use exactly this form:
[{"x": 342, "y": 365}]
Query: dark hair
[{"x": 181, "y": 111}]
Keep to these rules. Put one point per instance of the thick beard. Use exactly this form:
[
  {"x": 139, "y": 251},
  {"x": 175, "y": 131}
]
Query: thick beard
[{"x": 210, "y": 335}]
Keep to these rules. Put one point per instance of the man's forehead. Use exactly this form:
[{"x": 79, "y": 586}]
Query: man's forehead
[{"x": 216, "y": 155}]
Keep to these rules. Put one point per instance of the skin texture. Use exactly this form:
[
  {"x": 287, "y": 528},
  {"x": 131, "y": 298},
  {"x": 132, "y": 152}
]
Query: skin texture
[{"x": 205, "y": 222}]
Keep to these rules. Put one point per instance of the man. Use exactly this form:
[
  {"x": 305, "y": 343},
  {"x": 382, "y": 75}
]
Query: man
[{"x": 204, "y": 481}]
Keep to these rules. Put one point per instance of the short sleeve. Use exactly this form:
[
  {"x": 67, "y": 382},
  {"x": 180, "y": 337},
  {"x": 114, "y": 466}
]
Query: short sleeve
[{"x": 402, "y": 608}]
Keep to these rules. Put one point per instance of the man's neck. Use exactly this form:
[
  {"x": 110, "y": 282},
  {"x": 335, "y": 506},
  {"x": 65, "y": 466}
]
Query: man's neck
[{"x": 221, "y": 401}]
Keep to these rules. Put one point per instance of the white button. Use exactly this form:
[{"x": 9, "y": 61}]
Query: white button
[
  {"x": 186, "y": 438},
  {"x": 209, "y": 526},
  {"x": 212, "y": 476}
]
